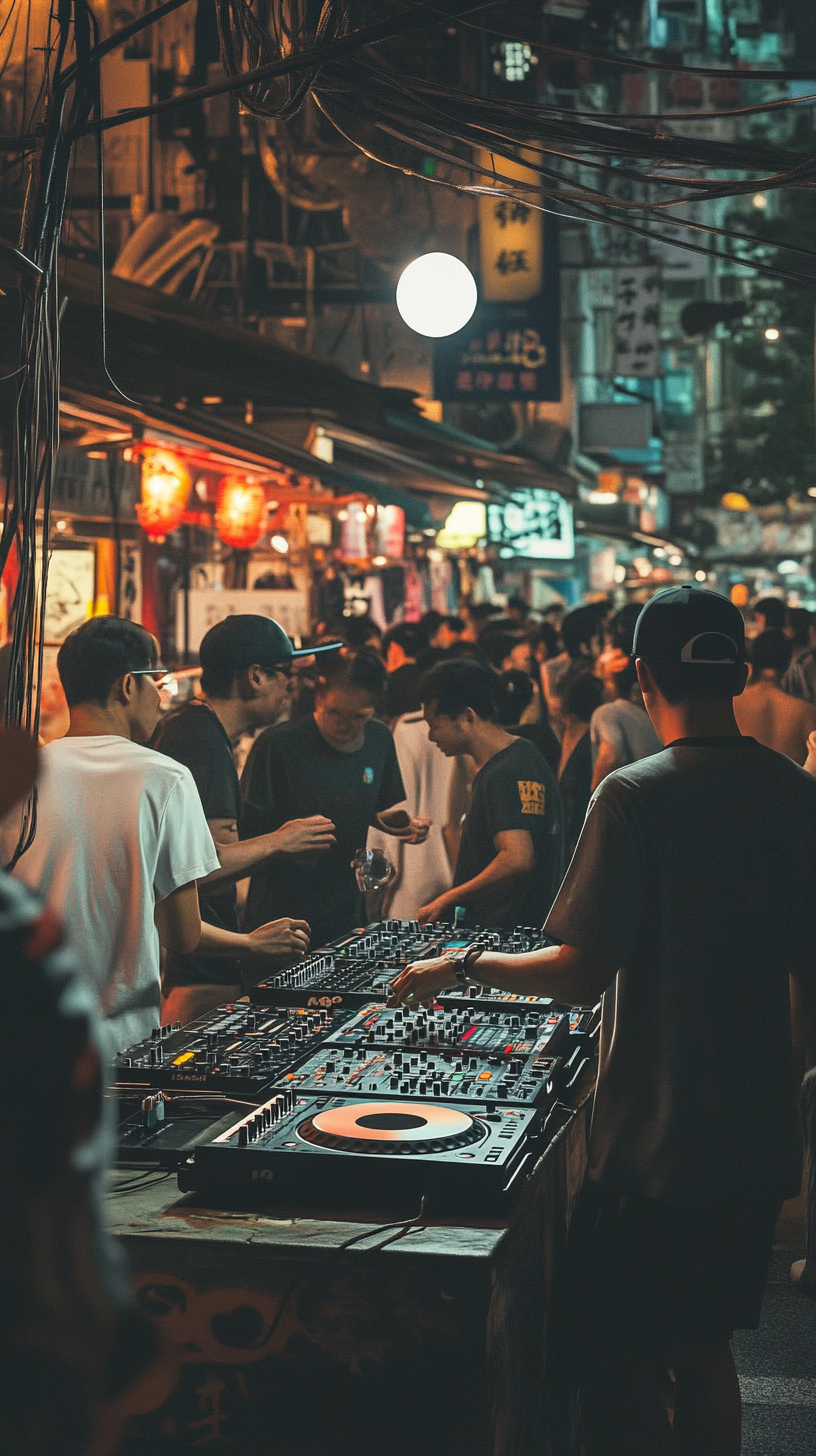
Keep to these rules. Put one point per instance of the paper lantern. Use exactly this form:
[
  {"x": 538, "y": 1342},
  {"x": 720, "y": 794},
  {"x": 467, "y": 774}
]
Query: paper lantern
[
  {"x": 240, "y": 511},
  {"x": 165, "y": 488}
]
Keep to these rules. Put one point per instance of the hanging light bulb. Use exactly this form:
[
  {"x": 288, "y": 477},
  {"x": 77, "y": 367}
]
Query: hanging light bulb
[
  {"x": 240, "y": 511},
  {"x": 436, "y": 295},
  {"x": 165, "y": 488}
]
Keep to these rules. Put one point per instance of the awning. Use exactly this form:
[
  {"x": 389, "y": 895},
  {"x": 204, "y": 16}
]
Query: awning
[{"x": 230, "y": 445}]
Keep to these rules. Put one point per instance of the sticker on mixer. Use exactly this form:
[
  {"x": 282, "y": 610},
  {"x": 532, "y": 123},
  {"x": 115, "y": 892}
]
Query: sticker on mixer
[{"x": 532, "y": 795}]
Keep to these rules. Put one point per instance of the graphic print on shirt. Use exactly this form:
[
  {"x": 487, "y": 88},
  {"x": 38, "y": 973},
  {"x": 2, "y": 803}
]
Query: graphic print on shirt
[
  {"x": 532, "y": 795},
  {"x": 368, "y": 776}
]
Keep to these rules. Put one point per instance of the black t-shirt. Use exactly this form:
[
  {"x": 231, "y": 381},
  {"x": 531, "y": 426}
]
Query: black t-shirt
[
  {"x": 291, "y": 773},
  {"x": 193, "y": 735},
  {"x": 542, "y": 736},
  {"x": 695, "y": 874},
  {"x": 515, "y": 790},
  {"x": 576, "y": 788}
]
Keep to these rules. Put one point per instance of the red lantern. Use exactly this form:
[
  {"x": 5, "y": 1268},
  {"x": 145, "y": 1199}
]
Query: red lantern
[
  {"x": 240, "y": 511},
  {"x": 165, "y": 488}
]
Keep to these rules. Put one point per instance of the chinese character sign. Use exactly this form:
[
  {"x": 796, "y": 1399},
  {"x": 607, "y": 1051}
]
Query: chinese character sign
[
  {"x": 637, "y": 322},
  {"x": 507, "y": 350},
  {"x": 511, "y": 243}
]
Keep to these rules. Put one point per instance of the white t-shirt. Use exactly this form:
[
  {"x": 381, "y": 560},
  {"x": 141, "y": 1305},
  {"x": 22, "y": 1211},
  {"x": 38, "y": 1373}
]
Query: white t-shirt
[
  {"x": 627, "y": 727},
  {"x": 423, "y": 870},
  {"x": 118, "y": 828}
]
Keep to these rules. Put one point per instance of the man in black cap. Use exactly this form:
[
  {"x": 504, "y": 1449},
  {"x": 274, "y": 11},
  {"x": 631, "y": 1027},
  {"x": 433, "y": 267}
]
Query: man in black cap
[
  {"x": 691, "y": 935},
  {"x": 247, "y": 675}
]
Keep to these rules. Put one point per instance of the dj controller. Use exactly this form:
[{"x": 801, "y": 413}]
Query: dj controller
[
  {"x": 450, "y": 1075},
  {"x": 352, "y": 1151},
  {"x": 467, "y": 1028},
  {"x": 353, "y": 1101},
  {"x": 362, "y": 966},
  {"x": 238, "y": 1049}
]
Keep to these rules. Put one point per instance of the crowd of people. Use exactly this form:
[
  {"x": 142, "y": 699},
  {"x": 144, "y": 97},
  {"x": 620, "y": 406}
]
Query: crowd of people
[{"x": 515, "y": 772}]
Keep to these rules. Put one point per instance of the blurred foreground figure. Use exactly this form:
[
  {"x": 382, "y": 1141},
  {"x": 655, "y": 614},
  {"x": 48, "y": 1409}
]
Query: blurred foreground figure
[{"x": 72, "y": 1348}]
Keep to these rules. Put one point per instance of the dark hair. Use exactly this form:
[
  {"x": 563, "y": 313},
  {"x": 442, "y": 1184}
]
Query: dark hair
[
  {"x": 546, "y": 633},
  {"x": 359, "y": 631},
  {"x": 681, "y": 681},
  {"x": 100, "y": 652},
  {"x": 361, "y": 671},
  {"x": 625, "y": 679},
  {"x": 456, "y": 686},
  {"x": 770, "y": 649},
  {"x": 584, "y": 693},
  {"x": 430, "y": 622},
  {"x": 578, "y": 629},
  {"x": 496, "y": 646},
  {"x": 622, "y": 627},
  {"x": 482, "y": 612},
  {"x": 410, "y": 636},
  {"x": 466, "y": 650},
  {"x": 431, "y": 656},
  {"x": 774, "y": 611},
  {"x": 456, "y": 624},
  {"x": 518, "y": 604},
  {"x": 800, "y": 623},
  {"x": 514, "y": 693}
]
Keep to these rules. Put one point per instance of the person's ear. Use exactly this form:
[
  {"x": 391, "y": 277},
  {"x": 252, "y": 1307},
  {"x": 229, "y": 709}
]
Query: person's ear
[
  {"x": 124, "y": 690},
  {"x": 645, "y": 679},
  {"x": 255, "y": 676}
]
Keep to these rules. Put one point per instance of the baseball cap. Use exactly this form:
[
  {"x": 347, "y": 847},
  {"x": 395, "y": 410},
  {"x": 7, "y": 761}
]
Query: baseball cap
[
  {"x": 246, "y": 638},
  {"x": 691, "y": 626}
]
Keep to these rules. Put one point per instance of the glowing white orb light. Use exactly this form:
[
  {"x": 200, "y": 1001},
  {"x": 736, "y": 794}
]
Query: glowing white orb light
[{"x": 436, "y": 295}]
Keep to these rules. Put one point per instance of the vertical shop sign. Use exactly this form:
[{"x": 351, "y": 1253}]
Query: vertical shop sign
[
  {"x": 509, "y": 350},
  {"x": 637, "y": 322},
  {"x": 511, "y": 237}
]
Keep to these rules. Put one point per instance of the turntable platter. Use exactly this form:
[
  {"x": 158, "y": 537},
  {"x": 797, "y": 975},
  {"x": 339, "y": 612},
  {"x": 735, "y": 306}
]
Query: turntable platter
[{"x": 391, "y": 1127}]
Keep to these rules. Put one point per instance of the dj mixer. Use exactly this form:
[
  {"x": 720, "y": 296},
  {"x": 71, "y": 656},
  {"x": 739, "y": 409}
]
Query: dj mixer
[
  {"x": 360, "y": 967},
  {"x": 354, "y": 1151},
  {"x": 468, "y": 1028},
  {"x": 451, "y": 1074},
  {"x": 238, "y": 1049}
]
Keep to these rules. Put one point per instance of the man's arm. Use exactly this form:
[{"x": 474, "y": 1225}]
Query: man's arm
[
  {"x": 515, "y": 855},
  {"x": 239, "y": 857},
  {"x": 181, "y": 930},
  {"x": 285, "y": 939},
  {"x": 178, "y": 919},
  {"x": 562, "y": 972}
]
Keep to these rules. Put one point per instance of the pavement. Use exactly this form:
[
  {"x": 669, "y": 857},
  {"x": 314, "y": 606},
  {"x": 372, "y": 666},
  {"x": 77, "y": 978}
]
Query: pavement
[{"x": 776, "y": 1363}]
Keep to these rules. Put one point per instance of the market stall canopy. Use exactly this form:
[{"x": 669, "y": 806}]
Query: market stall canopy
[
  {"x": 94, "y": 420},
  {"x": 161, "y": 350}
]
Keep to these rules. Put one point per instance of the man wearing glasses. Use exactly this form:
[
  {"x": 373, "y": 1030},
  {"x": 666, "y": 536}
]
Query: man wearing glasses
[
  {"x": 120, "y": 836},
  {"x": 247, "y": 675}
]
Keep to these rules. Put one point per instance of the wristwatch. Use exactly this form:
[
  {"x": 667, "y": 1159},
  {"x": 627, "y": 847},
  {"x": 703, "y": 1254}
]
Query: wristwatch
[{"x": 462, "y": 960}]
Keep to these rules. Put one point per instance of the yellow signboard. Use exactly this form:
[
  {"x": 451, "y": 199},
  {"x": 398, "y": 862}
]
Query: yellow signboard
[{"x": 511, "y": 236}]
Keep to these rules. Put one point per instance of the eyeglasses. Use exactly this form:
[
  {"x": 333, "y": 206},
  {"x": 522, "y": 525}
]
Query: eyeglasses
[{"x": 158, "y": 674}]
